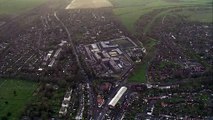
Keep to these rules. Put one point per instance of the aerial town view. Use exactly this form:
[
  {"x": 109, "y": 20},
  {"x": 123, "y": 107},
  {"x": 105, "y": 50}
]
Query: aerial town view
[{"x": 106, "y": 60}]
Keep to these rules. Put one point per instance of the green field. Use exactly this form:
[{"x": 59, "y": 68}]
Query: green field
[
  {"x": 129, "y": 11},
  {"x": 13, "y": 7},
  {"x": 139, "y": 75},
  {"x": 194, "y": 14},
  {"x": 14, "y": 95},
  {"x": 198, "y": 15},
  {"x": 140, "y": 72}
]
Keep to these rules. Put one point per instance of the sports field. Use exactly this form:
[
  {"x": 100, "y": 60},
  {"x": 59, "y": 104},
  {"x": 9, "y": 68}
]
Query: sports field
[
  {"x": 14, "y": 95},
  {"x": 79, "y": 4},
  {"x": 129, "y": 11},
  {"x": 13, "y": 7}
]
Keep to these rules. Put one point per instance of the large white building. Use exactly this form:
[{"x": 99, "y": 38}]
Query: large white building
[{"x": 117, "y": 97}]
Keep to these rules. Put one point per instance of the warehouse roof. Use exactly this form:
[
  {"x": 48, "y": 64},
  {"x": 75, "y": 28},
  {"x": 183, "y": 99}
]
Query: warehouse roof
[{"x": 117, "y": 97}]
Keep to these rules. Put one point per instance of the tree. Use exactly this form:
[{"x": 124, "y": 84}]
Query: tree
[
  {"x": 4, "y": 118},
  {"x": 14, "y": 93},
  {"x": 9, "y": 114},
  {"x": 62, "y": 83}
]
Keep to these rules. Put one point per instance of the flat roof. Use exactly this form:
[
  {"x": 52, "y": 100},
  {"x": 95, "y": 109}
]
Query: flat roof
[{"x": 117, "y": 97}]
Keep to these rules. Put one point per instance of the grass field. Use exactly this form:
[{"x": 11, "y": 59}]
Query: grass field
[
  {"x": 76, "y": 4},
  {"x": 129, "y": 11},
  {"x": 198, "y": 15},
  {"x": 140, "y": 72},
  {"x": 13, "y": 7},
  {"x": 194, "y": 14},
  {"x": 14, "y": 95},
  {"x": 139, "y": 75}
]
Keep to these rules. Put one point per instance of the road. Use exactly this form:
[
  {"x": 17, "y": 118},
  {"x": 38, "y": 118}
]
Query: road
[{"x": 82, "y": 71}]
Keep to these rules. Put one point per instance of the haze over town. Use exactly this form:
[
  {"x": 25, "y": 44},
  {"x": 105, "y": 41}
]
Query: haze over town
[{"x": 106, "y": 59}]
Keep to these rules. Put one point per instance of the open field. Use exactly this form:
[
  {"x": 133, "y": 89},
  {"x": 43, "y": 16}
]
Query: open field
[
  {"x": 13, "y": 7},
  {"x": 198, "y": 15},
  {"x": 151, "y": 11},
  {"x": 193, "y": 14},
  {"x": 130, "y": 11},
  {"x": 139, "y": 76},
  {"x": 14, "y": 94},
  {"x": 77, "y": 4}
]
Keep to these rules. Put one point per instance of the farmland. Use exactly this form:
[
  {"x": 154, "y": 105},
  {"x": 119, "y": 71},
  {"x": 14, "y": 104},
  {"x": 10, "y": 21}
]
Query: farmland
[
  {"x": 128, "y": 59},
  {"x": 76, "y": 4},
  {"x": 14, "y": 94},
  {"x": 130, "y": 11},
  {"x": 13, "y": 7},
  {"x": 200, "y": 15}
]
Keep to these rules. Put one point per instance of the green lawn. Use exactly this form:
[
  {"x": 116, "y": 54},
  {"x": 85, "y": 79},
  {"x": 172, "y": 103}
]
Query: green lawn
[
  {"x": 14, "y": 95},
  {"x": 198, "y": 15},
  {"x": 139, "y": 75},
  {"x": 129, "y": 11},
  {"x": 13, "y": 7}
]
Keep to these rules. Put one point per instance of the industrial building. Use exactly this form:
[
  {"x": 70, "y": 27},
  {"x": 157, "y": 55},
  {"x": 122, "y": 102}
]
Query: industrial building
[{"x": 117, "y": 97}]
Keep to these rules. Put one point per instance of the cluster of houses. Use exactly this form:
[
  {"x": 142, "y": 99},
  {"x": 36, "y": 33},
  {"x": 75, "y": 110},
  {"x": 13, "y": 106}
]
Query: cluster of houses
[
  {"x": 52, "y": 58},
  {"x": 65, "y": 103}
]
